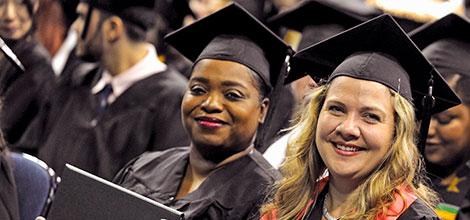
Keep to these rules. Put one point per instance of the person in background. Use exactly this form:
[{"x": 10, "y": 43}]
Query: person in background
[
  {"x": 355, "y": 155},
  {"x": 315, "y": 21},
  {"x": 220, "y": 175},
  {"x": 446, "y": 43},
  {"x": 23, "y": 92},
  {"x": 130, "y": 106}
]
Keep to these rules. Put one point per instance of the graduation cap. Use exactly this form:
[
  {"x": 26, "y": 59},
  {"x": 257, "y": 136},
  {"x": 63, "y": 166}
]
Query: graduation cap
[
  {"x": 446, "y": 44},
  {"x": 255, "y": 7},
  {"x": 233, "y": 34},
  {"x": 316, "y": 20},
  {"x": 118, "y": 7},
  {"x": 379, "y": 50}
]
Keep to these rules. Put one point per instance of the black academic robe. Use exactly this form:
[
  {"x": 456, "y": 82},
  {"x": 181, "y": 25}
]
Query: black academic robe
[
  {"x": 24, "y": 93},
  {"x": 279, "y": 119},
  {"x": 454, "y": 202},
  {"x": 234, "y": 191},
  {"x": 416, "y": 211},
  {"x": 146, "y": 117},
  {"x": 8, "y": 196},
  {"x": 84, "y": 76}
]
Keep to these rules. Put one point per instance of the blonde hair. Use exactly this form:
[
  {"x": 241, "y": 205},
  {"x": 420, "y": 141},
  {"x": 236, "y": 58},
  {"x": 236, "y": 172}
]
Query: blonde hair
[{"x": 304, "y": 166}]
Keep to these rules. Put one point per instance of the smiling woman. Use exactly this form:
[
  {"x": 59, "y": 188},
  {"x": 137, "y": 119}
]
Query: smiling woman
[
  {"x": 220, "y": 175},
  {"x": 446, "y": 44},
  {"x": 222, "y": 108},
  {"x": 355, "y": 156},
  {"x": 22, "y": 105}
]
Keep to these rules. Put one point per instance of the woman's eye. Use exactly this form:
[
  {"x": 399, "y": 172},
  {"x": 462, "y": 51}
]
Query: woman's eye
[
  {"x": 335, "y": 109},
  {"x": 233, "y": 95},
  {"x": 444, "y": 120},
  {"x": 372, "y": 117},
  {"x": 197, "y": 90}
]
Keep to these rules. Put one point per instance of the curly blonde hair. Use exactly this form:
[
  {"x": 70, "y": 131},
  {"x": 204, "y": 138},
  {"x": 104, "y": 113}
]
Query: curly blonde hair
[{"x": 304, "y": 166}]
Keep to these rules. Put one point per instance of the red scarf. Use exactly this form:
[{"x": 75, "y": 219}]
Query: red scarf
[{"x": 402, "y": 201}]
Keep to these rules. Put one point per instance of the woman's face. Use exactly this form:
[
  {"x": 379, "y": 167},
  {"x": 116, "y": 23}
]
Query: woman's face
[
  {"x": 448, "y": 139},
  {"x": 355, "y": 127},
  {"x": 203, "y": 8},
  {"x": 222, "y": 108},
  {"x": 15, "y": 20}
]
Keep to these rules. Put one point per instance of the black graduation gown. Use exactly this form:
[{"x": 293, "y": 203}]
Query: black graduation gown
[
  {"x": 84, "y": 76},
  {"x": 456, "y": 196},
  {"x": 8, "y": 196},
  {"x": 146, "y": 117},
  {"x": 24, "y": 93},
  {"x": 280, "y": 119},
  {"x": 416, "y": 211},
  {"x": 235, "y": 191}
]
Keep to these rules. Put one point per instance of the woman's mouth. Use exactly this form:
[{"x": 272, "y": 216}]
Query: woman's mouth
[
  {"x": 210, "y": 122},
  {"x": 347, "y": 150}
]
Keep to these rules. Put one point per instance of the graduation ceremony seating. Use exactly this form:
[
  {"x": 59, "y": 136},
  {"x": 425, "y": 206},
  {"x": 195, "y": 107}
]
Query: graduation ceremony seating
[{"x": 36, "y": 184}]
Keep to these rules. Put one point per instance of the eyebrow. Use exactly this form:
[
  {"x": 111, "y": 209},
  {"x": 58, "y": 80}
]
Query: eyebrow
[
  {"x": 199, "y": 79},
  {"x": 225, "y": 83},
  {"x": 374, "y": 109},
  {"x": 362, "y": 109},
  {"x": 230, "y": 83}
]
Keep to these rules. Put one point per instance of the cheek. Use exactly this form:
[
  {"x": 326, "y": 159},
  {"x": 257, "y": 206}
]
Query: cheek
[
  {"x": 188, "y": 104},
  {"x": 326, "y": 125},
  {"x": 245, "y": 116},
  {"x": 379, "y": 138},
  {"x": 454, "y": 131}
]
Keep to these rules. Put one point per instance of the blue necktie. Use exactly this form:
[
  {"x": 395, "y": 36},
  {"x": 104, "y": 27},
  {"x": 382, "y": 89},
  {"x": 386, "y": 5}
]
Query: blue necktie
[{"x": 103, "y": 96}]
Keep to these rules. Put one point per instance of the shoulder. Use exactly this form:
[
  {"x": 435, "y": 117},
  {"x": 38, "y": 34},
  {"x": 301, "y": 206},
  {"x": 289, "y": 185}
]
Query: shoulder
[
  {"x": 263, "y": 167},
  {"x": 148, "y": 164},
  {"x": 33, "y": 52},
  {"x": 157, "y": 157},
  {"x": 418, "y": 210},
  {"x": 172, "y": 80},
  {"x": 164, "y": 87}
]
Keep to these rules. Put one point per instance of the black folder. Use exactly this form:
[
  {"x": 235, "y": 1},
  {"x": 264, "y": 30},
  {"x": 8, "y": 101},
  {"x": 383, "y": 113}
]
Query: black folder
[{"x": 81, "y": 195}]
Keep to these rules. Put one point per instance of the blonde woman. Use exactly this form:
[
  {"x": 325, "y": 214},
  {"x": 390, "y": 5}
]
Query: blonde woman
[{"x": 355, "y": 153}]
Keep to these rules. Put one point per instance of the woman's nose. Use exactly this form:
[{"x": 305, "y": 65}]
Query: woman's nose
[
  {"x": 213, "y": 104},
  {"x": 348, "y": 128},
  {"x": 432, "y": 128},
  {"x": 9, "y": 10}
]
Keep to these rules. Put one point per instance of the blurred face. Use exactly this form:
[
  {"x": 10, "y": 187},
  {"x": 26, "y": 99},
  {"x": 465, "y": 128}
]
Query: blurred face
[
  {"x": 202, "y": 8},
  {"x": 302, "y": 87},
  {"x": 222, "y": 108},
  {"x": 355, "y": 127},
  {"x": 15, "y": 20},
  {"x": 448, "y": 139},
  {"x": 88, "y": 48}
]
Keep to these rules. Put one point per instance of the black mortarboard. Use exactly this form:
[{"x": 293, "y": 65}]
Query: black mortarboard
[
  {"x": 119, "y": 8},
  {"x": 379, "y": 50},
  {"x": 446, "y": 43},
  {"x": 255, "y": 7},
  {"x": 233, "y": 34},
  {"x": 316, "y": 20}
]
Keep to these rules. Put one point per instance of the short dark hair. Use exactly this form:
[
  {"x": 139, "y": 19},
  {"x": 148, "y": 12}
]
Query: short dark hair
[
  {"x": 137, "y": 21},
  {"x": 262, "y": 88}
]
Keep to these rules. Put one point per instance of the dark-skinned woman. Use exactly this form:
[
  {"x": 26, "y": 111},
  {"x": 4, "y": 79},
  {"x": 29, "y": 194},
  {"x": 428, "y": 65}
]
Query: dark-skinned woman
[
  {"x": 220, "y": 175},
  {"x": 446, "y": 43}
]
